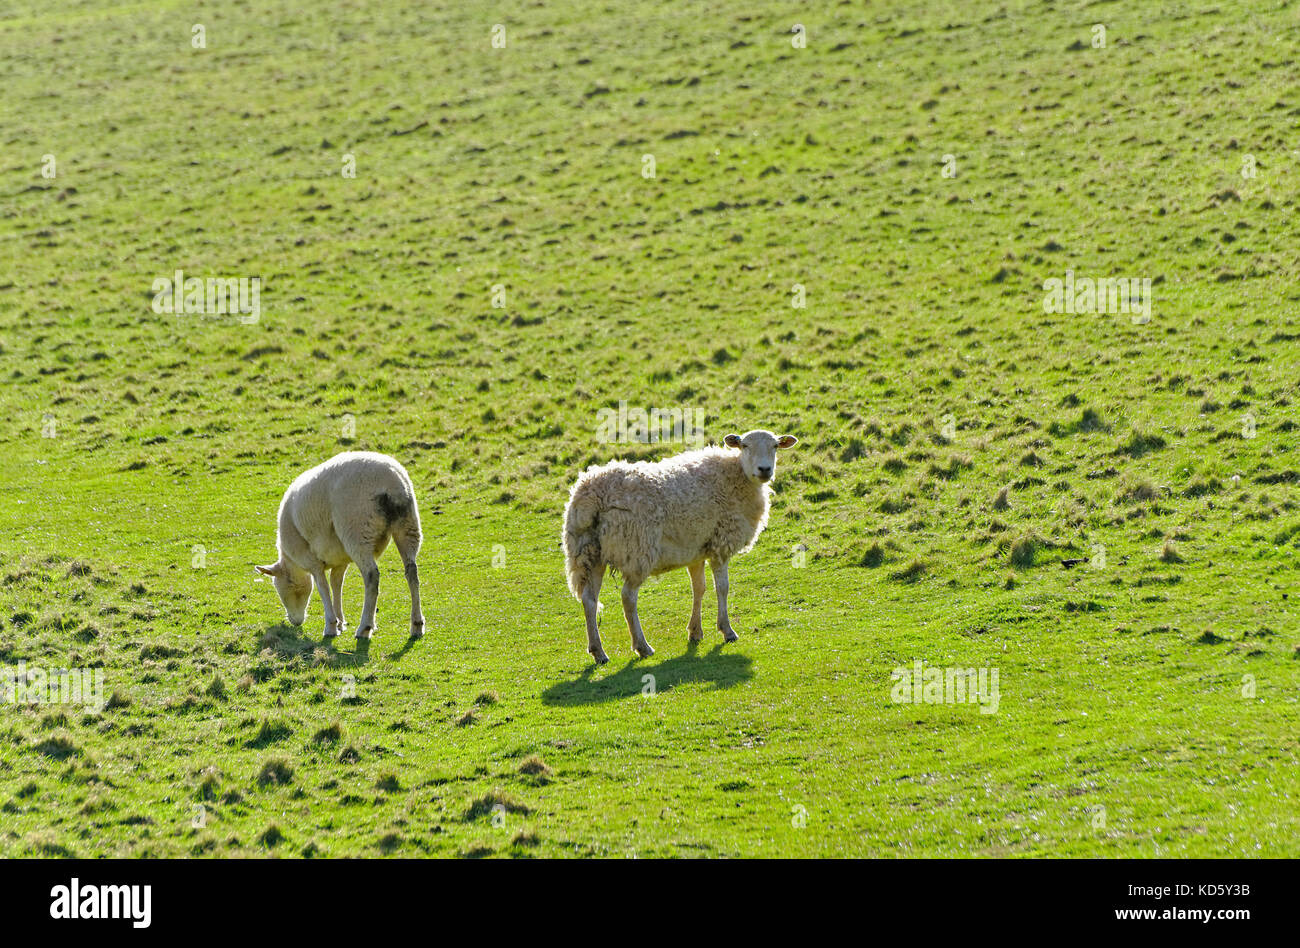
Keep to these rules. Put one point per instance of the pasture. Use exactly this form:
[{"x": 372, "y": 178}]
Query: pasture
[{"x": 680, "y": 210}]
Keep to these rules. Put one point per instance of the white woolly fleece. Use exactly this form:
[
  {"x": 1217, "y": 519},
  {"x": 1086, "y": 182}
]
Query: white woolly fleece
[
  {"x": 647, "y": 517},
  {"x": 350, "y": 504}
]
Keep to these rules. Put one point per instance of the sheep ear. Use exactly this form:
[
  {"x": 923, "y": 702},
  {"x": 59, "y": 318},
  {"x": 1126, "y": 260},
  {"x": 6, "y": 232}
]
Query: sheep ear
[
  {"x": 272, "y": 570},
  {"x": 786, "y": 441},
  {"x": 732, "y": 441}
]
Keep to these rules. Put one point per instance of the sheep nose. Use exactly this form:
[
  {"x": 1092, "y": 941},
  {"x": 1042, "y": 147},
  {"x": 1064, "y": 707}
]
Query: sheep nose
[{"x": 765, "y": 473}]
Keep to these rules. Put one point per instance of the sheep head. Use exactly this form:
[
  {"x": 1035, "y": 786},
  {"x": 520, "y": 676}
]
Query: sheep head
[
  {"x": 293, "y": 587},
  {"x": 758, "y": 452}
]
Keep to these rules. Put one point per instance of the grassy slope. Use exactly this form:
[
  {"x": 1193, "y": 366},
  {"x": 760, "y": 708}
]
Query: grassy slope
[{"x": 775, "y": 166}]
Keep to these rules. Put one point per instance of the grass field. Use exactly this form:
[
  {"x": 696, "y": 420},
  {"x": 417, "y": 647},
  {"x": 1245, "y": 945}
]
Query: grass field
[{"x": 501, "y": 267}]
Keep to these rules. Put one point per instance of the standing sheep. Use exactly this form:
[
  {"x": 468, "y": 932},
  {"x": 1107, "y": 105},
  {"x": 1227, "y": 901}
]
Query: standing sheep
[
  {"x": 340, "y": 512},
  {"x": 647, "y": 518}
]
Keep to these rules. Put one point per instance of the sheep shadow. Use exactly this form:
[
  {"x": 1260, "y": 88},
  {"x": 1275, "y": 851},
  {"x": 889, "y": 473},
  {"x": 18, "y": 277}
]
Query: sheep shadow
[
  {"x": 723, "y": 669},
  {"x": 406, "y": 646},
  {"x": 288, "y": 642}
]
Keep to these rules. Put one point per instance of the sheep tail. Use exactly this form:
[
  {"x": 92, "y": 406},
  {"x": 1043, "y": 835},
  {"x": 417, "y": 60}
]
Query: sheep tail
[{"x": 582, "y": 558}]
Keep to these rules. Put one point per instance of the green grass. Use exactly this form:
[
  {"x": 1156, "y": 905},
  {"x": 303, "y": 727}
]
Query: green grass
[{"x": 1148, "y": 701}]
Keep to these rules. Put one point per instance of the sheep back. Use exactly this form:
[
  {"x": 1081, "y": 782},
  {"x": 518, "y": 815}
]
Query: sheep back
[
  {"x": 352, "y": 501},
  {"x": 656, "y": 516}
]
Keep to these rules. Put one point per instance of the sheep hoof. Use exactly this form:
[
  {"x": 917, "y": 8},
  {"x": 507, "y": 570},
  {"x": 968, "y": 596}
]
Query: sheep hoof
[
  {"x": 696, "y": 635},
  {"x": 329, "y": 634},
  {"x": 600, "y": 657},
  {"x": 417, "y": 631},
  {"x": 729, "y": 635},
  {"x": 645, "y": 651},
  {"x": 366, "y": 632}
]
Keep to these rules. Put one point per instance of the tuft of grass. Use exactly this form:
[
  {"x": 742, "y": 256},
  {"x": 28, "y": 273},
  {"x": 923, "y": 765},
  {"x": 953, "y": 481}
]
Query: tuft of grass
[
  {"x": 956, "y": 464},
  {"x": 873, "y": 556},
  {"x": 525, "y": 839},
  {"x": 1023, "y": 551},
  {"x": 1089, "y": 421},
  {"x": 1140, "y": 490},
  {"x": 488, "y": 802},
  {"x": 1139, "y": 443},
  {"x": 58, "y": 746},
  {"x": 912, "y": 572},
  {"x": 331, "y": 733},
  {"x": 1202, "y": 487},
  {"x": 277, "y": 771},
  {"x": 536, "y": 768},
  {"x": 270, "y": 732},
  {"x": 1288, "y": 534},
  {"x": 895, "y": 505},
  {"x": 209, "y": 785},
  {"x": 216, "y": 688},
  {"x": 53, "y": 719}
]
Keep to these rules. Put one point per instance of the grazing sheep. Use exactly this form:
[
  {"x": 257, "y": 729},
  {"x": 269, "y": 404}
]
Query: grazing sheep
[
  {"x": 340, "y": 512},
  {"x": 647, "y": 518}
]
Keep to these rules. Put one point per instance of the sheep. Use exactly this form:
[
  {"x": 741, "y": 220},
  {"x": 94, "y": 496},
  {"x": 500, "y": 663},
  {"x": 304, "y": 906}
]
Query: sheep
[
  {"x": 650, "y": 517},
  {"x": 340, "y": 512}
]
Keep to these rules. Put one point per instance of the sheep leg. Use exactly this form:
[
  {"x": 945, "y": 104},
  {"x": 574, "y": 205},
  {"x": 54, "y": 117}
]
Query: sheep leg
[
  {"x": 591, "y": 608},
  {"x": 336, "y": 587},
  {"x": 720, "y": 585},
  {"x": 408, "y": 546},
  {"x": 370, "y": 574},
  {"x": 696, "y": 626},
  {"x": 639, "y": 644},
  {"x": 323, "y": 588}
]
